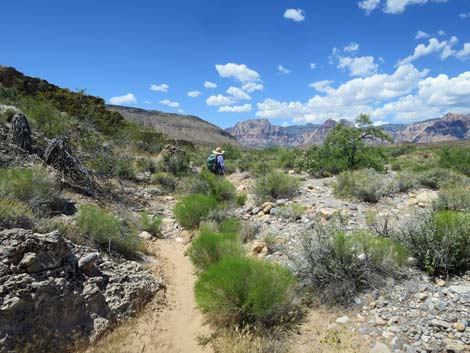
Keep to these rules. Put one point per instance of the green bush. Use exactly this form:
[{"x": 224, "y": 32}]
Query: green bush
[
  {"x": 338, "y": 265},
  {"x": 209, "y": 248},
  {"x": 106, "y": 231},
  {"x": 34, "y": 187},
  {"x": 15, "y": 214},
  {"x": 455, "y": 198},
  {"x": 276, "y": 185},
  {"x": 177, "y": 164},
  {"x": 150, "y": 224},
  {"x": 440, "y": 242},
  {"x": 231, "y": 225},
  {"x": 293, "y": 211},
  {"x": 124, "y": 168},
  {"x": 437, "y": 177},
  {"x": 406, "y": 181},
  {"x": 241, "y": 290},
  {"x": 365, "y": 184},
  {"x": 192, "y": 209},
  {"x": 166, "y": 180},
  {"x": 455, "y": 158},
  {"x": 146, "y": 165},
  {"x": 207, "y": 183}
]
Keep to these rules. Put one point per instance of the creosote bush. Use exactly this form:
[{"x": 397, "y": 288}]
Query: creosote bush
[
  {"x": 456, "y": 198},
  {"x": 15, "y": 214},
  {"x": 440, "y": 242},
  {"x": 207, "y": 183},
  {"x": 166, "y": 180},
  {"x": 437, "y": 178},
  {"x": 337, "y": 265},
  {"x": 151, "y": 224},
  {"x": 209, "y": 248},
  {"x": 192, "y": 209},
  {"x": 276, "y": 185},
  {"x": 238, "y": 291},
  {"x": 365, "y": 184},
  {"x": 106, "y": 231}
]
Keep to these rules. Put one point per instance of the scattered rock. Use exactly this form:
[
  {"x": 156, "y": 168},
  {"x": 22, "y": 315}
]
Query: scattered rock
[
  {"x": 145, "y": 235},
  {"x": 343, "y": 320},
  {"x": 380, "y": 348}
]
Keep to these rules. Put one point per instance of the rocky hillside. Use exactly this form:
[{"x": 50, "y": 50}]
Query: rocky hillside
[
  {"x": 451, "y": 127},
  {"x": 259, "y": 133},
  {"x": 176, "y": 126}
]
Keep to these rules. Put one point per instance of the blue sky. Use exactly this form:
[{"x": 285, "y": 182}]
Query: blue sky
[{"x": 288, "y": 61}]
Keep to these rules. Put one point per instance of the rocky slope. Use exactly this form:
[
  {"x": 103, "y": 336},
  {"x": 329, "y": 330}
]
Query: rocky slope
[
  {"x": 177, "y": 127},
  {"x": 54, "y": 293},
  {"x": 259, "y": 133}
]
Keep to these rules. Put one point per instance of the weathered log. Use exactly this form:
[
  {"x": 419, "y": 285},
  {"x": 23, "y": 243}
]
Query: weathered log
[
  {"x": 59, "y": 155},
  {"x": 21, "y": 132}
]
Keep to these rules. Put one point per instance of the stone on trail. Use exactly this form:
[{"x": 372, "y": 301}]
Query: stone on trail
[
  {"x": 380, "y": 348},
  {"x": 145, "y": 235},
  {"x": 343, "y": 320}
]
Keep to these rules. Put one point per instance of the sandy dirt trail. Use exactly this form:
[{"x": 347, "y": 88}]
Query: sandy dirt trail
[{"x": 171, "y": 327}]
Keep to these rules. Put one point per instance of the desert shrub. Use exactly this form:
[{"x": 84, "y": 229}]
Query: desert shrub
[
  {"x": 15, "y": 214},
  {"x": 249, "y": 230},
  {"x": 241, "y": 290},
  {"x": 418, "y": 161},
  {"x": 209, "y": 248},
  {"x": 7, "y": 114},
  {"x": 177, "y": 164},
  {"x": 146, "y": 165},
  {"x": 455, "y": 158},
  {"x": 106, "y": 231},
  {"x": 124, "y": 168},
  {"x": 338, "y": 265},
  {"x": 231, "y": 152},
  {"x": 456, "y": 198},
  {"x": 293, "y": 211},
  {"x": 192, "y": 209},
  {"x": 166, "y": 180},
  {"x": 365, "y": 184},
  {"x": 437, "y": 177},
  {"x": 240, "y": 199},
  {"x": 207, "y": 183},
  {"x": 440, "y": 242},
  {"x": 34, "y": 187},
  {"x": 276, "y": 185},
  {"x": 151, "y": 224},
  {"x": 406, "y": 181},
  {"x": 231, "y": 225}
]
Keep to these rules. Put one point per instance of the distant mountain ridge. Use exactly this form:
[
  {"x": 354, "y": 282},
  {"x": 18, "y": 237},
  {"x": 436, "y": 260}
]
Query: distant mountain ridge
[{"x": 259, "y": 133}]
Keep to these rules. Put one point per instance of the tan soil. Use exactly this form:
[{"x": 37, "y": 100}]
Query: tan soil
[{"x": 169, "y": 327}]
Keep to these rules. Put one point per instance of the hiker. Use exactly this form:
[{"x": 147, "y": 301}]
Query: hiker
[{"x": 215, "y": 162}]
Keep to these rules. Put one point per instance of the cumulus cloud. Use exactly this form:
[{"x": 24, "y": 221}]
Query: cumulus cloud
[
  {"x": 358, "y": 66},
  {"x": 313, "y": 66},
  {"x": 194, "y": 94},
  {"x": 239, "y": 72},
  {"x": 296, "y": 15},
  {"x": 282, "y": 70},
  {"x": 464, "y": 53},
  {"x": 464, "y": 15},
  {"x": 218, "y": 100},
  {"x": 347, "y": 101},
  {"x": 159, "y": 88},
  {"x": 209, "y": 84},
  {"x": 434, "y": 46},
  {"x": 252, "y": 86},
  {"x": 351, "y": 47},
  {"x": 237, "y": 94},
  {"x": 421, "y": 34},
  {"x": 235, "y": 109},
  {"x": 170, "y": 103},
  {"x": 126, "y": 99},
  {"x": 322, "y": 86},
  {"x": 392, "y": 6}
]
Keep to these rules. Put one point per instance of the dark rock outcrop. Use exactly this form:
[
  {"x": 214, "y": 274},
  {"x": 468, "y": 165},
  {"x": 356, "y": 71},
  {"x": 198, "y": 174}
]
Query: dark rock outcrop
[
  {"x": 54, "y": 293},
  {"x": 21, "y": 132}
]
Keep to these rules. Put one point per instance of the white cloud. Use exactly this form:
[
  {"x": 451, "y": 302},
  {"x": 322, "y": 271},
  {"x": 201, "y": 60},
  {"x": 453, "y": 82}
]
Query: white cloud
[
  {"x": 313, "y": 66},
  {"x": 351, "y": 47},
  {"x": 392, "y": 6},
  {"x": 296, "y": 15},
  {"x": 464, "y": 53},
  {"x": 359, "y": 95},
  {"x": 209, "y": 84},
  {"x": 464, "y": 15},
  {"x": 159, "y": 88},
  {"x": 369, "y": 5},
  {"x": 194, "y": 94},
  {"x": 218, "y": 100},
  {"x": 358, "y": 66},
  {"x": 252, "y": 86},
  {"x": 441, "y": 91},
  {"x": 235, "y": 109},
  {"x": 441, "y": 32},
  {"x": 322, "y": 86},
  {"x": 126, "y": 99},
  {"x": 237, "y": 94},
  {"x": 445, "y": 48},
  {"x": 181, "y": 111},
  {"x": 421, "y": 34},
  {"x": 239, "y": 72},
  {"x": 282, "y": 70},
  {"x": 170, "y": 103},
  {"x": 147, "y": 102}
]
